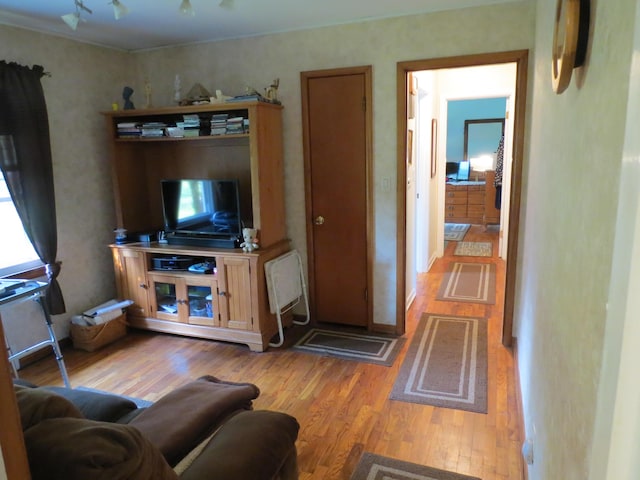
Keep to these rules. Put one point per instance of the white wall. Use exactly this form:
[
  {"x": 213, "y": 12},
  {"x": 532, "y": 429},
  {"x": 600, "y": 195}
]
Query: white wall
[
  {"x": 567, "y": 239},
  {"x": 425, "y": 235},
  {"x": 617, "y": 428}
]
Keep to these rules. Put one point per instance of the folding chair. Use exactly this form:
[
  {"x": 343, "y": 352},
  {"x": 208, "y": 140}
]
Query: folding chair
[{"x": 286, "y": 288}]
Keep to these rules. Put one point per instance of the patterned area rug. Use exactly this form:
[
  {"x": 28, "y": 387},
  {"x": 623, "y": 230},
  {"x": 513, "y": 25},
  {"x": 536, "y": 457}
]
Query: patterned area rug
[
  {"x": 446, "y": 364},
  {"x": 349, "y": 345},
  {"x": 474, "y": 249},
  {"x": 455, "y": 232},
  {"x": 469, "y": 282},
  {"x": 376, "y": 467}
]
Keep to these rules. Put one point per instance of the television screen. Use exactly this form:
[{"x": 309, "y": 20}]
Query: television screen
[{"x": 202, "y": 207}]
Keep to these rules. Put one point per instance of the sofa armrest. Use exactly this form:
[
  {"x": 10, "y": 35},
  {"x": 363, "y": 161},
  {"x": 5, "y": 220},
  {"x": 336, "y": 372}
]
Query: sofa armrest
[
  {"x": 183, "y": 418},
  {"x": 252, "y": 445}
]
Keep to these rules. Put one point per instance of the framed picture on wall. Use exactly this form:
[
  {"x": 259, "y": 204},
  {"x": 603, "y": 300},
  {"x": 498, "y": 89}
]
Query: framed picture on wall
[{"x": 434, "y": 146}]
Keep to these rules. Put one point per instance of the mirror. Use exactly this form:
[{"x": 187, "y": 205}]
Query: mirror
[{"x": 481, "y": 137}]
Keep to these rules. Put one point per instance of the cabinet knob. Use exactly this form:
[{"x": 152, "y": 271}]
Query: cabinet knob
[
  {"x": 319, "y": 220},
  {"x": 143, "y": 285},
  {"x": 222, "y": 294}
]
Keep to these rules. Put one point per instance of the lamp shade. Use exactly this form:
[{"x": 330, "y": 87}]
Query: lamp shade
[
  {"x": 186, "y": 8},
  {"x": 119, "y": 10},
  {"x": 71, "y": 19}
]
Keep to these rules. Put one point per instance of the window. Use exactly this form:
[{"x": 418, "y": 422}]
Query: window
[{"x": 16, "y": 251}]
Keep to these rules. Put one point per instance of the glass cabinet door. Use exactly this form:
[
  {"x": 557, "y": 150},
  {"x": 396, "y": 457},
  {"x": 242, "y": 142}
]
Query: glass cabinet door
[
  {"x": 202, "y": 301},
  {"x": 165, "y": 296}
]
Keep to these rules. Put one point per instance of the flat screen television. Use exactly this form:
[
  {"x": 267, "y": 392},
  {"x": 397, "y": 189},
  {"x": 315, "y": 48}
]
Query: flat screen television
[{"x": 202, "y": 211}]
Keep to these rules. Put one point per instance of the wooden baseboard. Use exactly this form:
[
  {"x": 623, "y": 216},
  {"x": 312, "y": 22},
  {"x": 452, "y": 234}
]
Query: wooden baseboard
[
  {"x": 516, "y": 374},
  {"x": 43, "y": 353}
]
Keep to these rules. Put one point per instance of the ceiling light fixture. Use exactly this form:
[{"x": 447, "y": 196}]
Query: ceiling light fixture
[
  {"x": 119, "y": 9},
  {"x": 186, "y": 8},
  {"x": 72, "y": 19}
]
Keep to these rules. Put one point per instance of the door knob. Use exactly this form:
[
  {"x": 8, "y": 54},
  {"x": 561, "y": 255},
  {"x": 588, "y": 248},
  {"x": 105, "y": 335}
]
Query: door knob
[{"x": 319, "y": 220}]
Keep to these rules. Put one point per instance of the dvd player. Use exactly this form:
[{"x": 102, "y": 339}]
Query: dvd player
[{"x": 172, "y": 263}]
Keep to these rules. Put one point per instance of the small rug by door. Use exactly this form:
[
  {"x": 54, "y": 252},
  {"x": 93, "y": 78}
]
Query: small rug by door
[
  {"x": 469, "y": 282},
  {"x": 446, "y": 364},
  {"x": 377, "y": 467},
  {"x": 455, "y": 231},
  {"x": 474, "y": 249},
  {"x": 349, "y": 345}
]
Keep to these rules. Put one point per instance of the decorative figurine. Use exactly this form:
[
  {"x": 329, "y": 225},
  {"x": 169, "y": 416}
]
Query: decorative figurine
[
  {"x": 272, "y": 92},
  {"x": 250, "y": 236},
  {"x": 126, "y": 95}
]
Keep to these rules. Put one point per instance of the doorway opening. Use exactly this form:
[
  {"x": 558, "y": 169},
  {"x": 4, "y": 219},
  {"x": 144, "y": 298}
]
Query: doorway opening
[{"x": 433, "y": 193}]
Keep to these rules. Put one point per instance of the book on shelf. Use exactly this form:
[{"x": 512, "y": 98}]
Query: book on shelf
[{"x": 254, "y": 97}]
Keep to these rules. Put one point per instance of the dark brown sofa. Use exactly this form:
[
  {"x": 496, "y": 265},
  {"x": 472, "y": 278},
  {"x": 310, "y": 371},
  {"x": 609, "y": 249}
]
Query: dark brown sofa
[{"x": 205, "y": 429}]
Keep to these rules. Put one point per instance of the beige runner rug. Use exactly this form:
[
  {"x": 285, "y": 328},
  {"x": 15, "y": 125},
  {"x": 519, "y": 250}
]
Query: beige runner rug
[
  {"x": 446, "y": 364},
  {"x": 377, "y": 467},
  {"x": 469, "y": 282},
  {"x": 474, "y": 249}
]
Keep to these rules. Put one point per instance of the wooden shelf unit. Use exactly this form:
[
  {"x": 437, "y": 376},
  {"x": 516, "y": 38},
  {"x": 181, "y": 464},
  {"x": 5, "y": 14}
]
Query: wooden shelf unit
[
  {"x": 241, "y": 309},
  {"x": 255, "y": 159}
]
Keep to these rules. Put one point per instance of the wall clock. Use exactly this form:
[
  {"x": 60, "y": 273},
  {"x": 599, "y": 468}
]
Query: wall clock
[{"x": 570, "y": 39}]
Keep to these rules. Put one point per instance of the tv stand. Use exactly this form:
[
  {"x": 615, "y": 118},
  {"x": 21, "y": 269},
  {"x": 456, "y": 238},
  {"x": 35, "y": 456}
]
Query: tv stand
[
  {"x": 172, "y": 301},
  {"x": 228, "y": 302},
  {"x": 204, "y": 241}
]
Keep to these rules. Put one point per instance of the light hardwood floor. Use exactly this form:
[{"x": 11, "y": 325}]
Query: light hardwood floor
[{"x": 343, "y": 407}]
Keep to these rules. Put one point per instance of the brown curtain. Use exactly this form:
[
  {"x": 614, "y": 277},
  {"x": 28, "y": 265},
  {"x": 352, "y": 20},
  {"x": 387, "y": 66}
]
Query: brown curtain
[{"x": 25, "y": 160}]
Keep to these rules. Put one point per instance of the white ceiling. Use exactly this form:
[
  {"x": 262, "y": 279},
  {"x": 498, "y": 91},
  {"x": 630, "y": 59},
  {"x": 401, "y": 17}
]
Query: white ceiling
[{"x": 157, "y": 23}]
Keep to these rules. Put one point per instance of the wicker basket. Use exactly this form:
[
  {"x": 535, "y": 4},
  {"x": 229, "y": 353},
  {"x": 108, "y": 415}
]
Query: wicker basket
[{"x": 92, "y": 337}]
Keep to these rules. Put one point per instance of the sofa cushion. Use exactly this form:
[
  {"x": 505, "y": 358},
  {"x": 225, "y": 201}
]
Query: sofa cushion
[
  {"x": 36, "y": 405},
  {"x": 81, "y": 449},
  {"x": 266, "y": 438},
  {"x": 183, "y": 418},
  {"x": 96, "y": 405}
]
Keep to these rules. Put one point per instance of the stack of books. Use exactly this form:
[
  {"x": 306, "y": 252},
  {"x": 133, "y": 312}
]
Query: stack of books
[
  {"x": 190, "y": 125},
  {"x": 219, "y": 123},
  {"x": 235, "y": 125},
  {"x": 129, "y": 130},
  {"x": 153, "y": 129}
]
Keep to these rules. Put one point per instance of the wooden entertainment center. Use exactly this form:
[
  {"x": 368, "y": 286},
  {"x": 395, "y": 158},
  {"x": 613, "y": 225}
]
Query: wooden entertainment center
[{"x": 230, "y": 301}]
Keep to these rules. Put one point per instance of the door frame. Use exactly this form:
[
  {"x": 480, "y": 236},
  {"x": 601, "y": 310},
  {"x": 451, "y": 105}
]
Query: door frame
[
  {"x": 366, "y": 71},
  {"x": 520, "y": 58}
]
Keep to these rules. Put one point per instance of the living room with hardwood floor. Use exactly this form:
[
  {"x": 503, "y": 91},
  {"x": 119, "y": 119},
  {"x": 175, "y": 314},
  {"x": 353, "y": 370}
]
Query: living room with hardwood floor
[
  {"x": 343, "y": 406},
  {"x": 578, "y": 266}
]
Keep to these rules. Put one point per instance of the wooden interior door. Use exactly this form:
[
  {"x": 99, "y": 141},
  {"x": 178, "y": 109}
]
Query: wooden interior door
[{"x": 337, "y": 138}]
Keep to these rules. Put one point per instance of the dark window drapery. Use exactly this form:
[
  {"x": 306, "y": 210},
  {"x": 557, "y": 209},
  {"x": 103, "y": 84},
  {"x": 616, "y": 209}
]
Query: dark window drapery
[{"x": 25, "y": 159}]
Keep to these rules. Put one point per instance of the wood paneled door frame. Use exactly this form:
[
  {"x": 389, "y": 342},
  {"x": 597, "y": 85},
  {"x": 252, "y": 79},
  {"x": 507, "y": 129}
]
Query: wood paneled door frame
[{"x": 520, "y": 58}]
